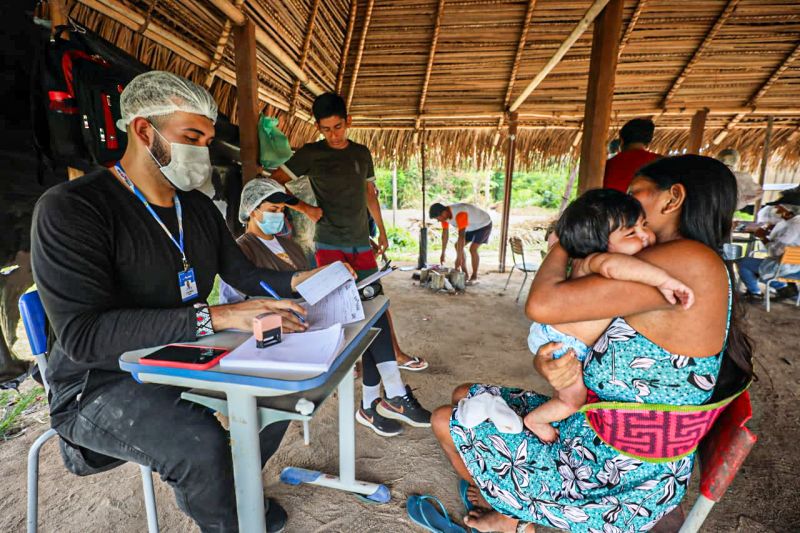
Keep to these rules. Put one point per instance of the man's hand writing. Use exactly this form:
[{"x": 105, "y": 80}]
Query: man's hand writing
[{"x": 240, "y": 315}]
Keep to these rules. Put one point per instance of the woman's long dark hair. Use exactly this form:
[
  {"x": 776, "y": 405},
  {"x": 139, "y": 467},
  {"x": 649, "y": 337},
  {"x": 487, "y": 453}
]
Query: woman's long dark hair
[{"x": 707, "y": 217}]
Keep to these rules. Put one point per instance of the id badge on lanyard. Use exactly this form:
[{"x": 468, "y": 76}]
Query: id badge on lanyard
[{"x": 187, "y": 283}]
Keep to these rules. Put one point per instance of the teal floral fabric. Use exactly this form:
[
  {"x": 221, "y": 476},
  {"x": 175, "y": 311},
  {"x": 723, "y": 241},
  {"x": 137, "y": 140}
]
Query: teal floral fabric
[{"x": 578, "y": 483}]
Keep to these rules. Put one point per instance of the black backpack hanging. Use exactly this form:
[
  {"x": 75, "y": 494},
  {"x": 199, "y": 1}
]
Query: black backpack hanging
[
  {"x": 78, "y": 93},
  {"x": 96, "y": 87}
]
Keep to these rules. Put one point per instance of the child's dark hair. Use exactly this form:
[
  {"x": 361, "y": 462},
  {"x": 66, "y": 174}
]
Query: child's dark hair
[
  {"x": 329, "y": 105},
  {"x": 587, "y": 222}
]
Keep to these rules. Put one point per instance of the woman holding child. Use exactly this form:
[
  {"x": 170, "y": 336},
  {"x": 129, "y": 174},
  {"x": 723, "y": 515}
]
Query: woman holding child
[{"x": 648, "y": 339}]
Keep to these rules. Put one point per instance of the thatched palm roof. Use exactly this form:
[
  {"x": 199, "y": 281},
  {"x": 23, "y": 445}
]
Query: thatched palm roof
[{"x": 452, "y": 67}]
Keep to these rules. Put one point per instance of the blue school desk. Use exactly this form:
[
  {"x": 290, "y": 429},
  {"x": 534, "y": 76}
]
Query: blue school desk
[{"x": 254, "y": 400}]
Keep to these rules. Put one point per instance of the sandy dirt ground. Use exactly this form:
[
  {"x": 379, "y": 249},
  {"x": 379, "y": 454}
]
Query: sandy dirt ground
[{"x": 477, "y": 336}]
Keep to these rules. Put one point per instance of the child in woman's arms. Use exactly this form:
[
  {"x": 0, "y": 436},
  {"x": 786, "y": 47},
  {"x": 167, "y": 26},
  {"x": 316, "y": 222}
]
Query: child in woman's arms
[{"x": 601, "y": 231}]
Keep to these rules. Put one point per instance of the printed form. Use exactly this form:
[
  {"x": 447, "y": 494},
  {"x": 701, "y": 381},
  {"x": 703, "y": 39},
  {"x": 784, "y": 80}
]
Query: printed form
[{"x": 331, "y": 297}]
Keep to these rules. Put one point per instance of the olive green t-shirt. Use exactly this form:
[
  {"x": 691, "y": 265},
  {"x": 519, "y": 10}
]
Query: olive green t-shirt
[{"x": 339, "y": 180}]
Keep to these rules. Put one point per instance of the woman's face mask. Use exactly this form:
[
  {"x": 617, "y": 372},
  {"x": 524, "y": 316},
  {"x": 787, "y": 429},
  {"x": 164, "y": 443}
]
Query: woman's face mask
[
  {"x": 271, "y": 223},
  {"x": 189, "y": 166}
]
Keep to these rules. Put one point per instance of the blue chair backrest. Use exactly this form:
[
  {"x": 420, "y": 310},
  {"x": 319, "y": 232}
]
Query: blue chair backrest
[{"x": 35, "y": 321}]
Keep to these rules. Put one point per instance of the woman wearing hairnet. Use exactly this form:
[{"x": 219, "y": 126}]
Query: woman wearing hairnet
[
  {"x": 124, "y": 258},
  {"x": 261, "y": 211}
]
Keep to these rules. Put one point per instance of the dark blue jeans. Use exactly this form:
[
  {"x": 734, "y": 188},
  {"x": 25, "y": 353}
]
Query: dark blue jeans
[
  {"x": 748, "y": 271},
  {"x": 151, "y": 425}
]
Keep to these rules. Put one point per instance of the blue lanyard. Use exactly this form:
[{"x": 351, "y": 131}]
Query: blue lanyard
[{"x": 178, "y": 211}]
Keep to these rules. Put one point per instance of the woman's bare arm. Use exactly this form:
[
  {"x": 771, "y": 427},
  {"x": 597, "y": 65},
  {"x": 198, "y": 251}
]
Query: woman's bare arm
[{"x": 553, "y": 299}]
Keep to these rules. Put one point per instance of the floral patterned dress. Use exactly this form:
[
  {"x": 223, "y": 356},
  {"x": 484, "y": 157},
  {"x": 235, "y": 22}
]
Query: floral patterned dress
[{"x": 579, "y": 483}]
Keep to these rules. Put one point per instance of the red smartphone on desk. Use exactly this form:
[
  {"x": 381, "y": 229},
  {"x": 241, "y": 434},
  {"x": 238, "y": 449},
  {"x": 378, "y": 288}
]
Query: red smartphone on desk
[{"x": 189, "y": 356}]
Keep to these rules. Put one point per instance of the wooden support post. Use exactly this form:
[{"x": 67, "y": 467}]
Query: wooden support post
[
  {"x": 762, "y": 176},
  {"x": 600, "y": 95},
  {"x": 422, "y": 262},
  {"x": 244, "y": 40},
  {"x": 394, "y": 191},
  {"x": 696, "y": 131},
  {"x": 510, "y": 155}
]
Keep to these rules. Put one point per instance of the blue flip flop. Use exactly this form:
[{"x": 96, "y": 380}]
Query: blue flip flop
[
  {"x": 429, "y": 513},
  {"x": 462, "y": 491}
]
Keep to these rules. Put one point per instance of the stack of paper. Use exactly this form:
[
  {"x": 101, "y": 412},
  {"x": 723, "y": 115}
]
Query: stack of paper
[
  {"x": 312, "y": 351},
  {"x": 331, "y": 297}
]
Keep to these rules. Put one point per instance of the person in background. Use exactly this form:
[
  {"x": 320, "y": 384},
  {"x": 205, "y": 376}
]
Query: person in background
[
  {"x": 124, "y": 259},
  {"x": 342, "y": 176},
  {"x": 748, "y": 191},
  {"x": 261, "y": 210},
  {"x": 776, "y": 238},
  {"x": 472, "y": 224},
  {"x": 634, "y": 137}
]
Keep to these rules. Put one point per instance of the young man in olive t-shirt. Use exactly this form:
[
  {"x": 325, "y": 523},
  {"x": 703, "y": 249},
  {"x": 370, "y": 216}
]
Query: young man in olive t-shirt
[{"x": 342, "y": 177}]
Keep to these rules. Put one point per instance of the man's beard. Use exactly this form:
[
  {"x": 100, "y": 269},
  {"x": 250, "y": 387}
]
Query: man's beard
[{"x": 160, "y": 152}]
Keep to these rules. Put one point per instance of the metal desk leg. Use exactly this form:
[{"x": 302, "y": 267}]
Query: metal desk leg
[
  {"x": 347, "y": 429},
  {"x": 347, "y": 455},
  {"x": 246, "y": 451}
]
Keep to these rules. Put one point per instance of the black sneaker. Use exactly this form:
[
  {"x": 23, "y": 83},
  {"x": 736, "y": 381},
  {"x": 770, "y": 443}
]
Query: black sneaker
[
  {"x": 380, "y": 425},
  {"x": 275, "y": 516},
  {"x": 407, "y": 409},
  {"x": 752, "y": 297},
  {"x": 789, "y": 291}
]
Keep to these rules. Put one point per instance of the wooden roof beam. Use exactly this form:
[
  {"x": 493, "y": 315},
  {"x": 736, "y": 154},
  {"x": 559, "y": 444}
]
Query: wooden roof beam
[
  {"x": 762, "y": 90},
  {"x": 581, "y": 27},
  {"x": 360, "y": 54},
  {"x": 351, "y": 24},
  {"x": 523, "y": 38},
  {"x": 238, "y": 18},
  {"x": 712, "y": 33},
  {"x": 637, "y": 12},
  {"x": 437, "y": 25},
  {"x": 219, "y": 50},
  {"x": 132, "y": 20},
  {"x": 312, "y": 20}
]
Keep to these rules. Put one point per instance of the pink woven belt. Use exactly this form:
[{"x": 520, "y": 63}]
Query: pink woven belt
[{"x": 655, "y": 433}]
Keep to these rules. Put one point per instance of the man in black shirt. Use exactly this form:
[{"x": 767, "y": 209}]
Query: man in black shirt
[{"x": 125, "y": 259}]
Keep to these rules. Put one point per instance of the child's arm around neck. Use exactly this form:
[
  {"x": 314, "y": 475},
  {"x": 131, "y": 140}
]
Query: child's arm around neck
[{"x": 628, "y": 268}]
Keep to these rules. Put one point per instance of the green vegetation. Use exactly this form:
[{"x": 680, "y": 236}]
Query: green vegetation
[
  {"x": 14, "y": 404},
  {"x": 540, "y": 188}
]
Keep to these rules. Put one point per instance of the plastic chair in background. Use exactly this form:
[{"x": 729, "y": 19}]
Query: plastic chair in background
[
  {"x": 518, "y": 250},
  {"x": 791, "y": 256},
  {"x": 35, "y": 322}
]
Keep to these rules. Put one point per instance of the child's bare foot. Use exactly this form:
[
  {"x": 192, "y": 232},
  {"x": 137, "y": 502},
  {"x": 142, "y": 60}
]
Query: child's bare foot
[
  {"x": 492, "y": 521},
  {"x": 544, "y": 431},
  {"x": 476, "y": 498}
]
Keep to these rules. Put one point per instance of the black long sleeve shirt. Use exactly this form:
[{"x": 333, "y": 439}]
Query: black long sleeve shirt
[{"x": 107, "y": 274}]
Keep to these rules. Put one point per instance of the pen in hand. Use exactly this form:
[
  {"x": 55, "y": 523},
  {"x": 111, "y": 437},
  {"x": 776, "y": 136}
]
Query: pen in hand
[{"x": 274, "y": 294}]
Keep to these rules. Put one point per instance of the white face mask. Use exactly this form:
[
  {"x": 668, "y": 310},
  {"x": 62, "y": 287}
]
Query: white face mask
[{"x": 189, "y": 166}]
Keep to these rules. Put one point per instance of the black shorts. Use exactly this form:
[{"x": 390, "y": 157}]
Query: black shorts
[{"x": 480, "y": 235}]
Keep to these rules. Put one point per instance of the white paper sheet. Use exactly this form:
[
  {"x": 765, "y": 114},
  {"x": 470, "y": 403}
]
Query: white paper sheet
[
  {"x": 342, "y": 306},
  {"x": 324, "y": 282},
  {"x": 375, "y": 277},
  {"x": 309, "y": 351}
]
